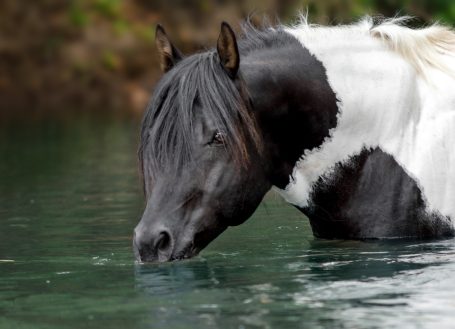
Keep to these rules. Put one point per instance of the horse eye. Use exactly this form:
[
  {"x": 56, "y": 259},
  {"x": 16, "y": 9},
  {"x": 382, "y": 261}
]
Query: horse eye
[{"x": 218, "y": 139}]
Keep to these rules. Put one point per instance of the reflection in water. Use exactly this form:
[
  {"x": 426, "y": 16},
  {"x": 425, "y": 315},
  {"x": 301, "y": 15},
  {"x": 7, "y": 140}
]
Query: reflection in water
[
  {"x": 336, "y": 283},
  {"x": 70, "y": 198}
]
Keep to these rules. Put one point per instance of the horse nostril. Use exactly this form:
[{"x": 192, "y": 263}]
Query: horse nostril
[
  {"x": 151, "y": 246},
  {"x": 163, "y": 242}
]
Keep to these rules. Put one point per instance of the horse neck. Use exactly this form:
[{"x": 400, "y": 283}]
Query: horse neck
[
  {"x": 357, "y": 93},
  {"x": 293, "y": 102}
]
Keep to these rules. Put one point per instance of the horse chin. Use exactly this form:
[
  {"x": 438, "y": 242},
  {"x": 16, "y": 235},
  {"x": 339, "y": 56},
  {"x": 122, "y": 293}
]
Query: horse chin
[
  {"x": 197, "y": 244},
  {"x": 187, "y": 253}
]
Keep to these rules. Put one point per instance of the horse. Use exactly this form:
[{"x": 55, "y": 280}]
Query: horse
[{"x": 353, "y": 124}]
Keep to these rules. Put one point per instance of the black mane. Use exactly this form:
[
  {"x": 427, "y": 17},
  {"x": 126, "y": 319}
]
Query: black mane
[{"x": 167, "y": 124}]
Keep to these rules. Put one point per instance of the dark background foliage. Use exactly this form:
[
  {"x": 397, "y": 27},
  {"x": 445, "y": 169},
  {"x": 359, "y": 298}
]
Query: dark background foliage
[{"x": 99, "y": 55}]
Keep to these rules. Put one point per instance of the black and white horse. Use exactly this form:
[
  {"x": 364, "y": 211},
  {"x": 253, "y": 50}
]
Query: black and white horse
[{"x": 354, "y": 125}]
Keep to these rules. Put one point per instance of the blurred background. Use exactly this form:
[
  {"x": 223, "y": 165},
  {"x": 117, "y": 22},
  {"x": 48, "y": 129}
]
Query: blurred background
[{"x": 98, "y": 56}]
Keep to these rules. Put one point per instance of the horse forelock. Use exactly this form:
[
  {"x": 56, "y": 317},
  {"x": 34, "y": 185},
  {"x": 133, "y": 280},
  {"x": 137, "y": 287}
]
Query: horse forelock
[{"x": 167, "y": 127}]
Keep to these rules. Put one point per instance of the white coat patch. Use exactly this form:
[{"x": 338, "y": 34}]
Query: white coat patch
[{"x": 385, "y": 102}]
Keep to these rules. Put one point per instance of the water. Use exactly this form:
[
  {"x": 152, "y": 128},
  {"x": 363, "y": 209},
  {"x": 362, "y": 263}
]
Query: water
[{"x": 70, "y": 198}]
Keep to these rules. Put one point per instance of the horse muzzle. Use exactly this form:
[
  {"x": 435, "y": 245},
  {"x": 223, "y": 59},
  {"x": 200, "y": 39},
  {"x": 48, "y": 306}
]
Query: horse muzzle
[{"x": 159, "y": 246}]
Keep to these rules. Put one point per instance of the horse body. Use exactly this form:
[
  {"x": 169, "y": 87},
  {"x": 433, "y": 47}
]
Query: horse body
[
  {"x": 353, "y": 125},
  {"x": 401, "y": 120}
]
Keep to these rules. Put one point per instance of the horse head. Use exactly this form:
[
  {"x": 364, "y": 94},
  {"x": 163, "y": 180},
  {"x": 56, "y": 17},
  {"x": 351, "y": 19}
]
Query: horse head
[
  {"x": 200, "y": 152},
  {"x": 223, "y": 127}
]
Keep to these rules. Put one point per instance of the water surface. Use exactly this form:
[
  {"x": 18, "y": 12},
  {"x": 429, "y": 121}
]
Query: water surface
[{"x": 70, "y": 198}]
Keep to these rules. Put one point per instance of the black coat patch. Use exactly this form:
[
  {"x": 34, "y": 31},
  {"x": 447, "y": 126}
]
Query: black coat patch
[
  {"x": 371, "y": 196},
  {"x": 292, "y": 100}
]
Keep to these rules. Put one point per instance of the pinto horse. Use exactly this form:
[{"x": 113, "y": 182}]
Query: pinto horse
[{"x": 354, "y": 125}]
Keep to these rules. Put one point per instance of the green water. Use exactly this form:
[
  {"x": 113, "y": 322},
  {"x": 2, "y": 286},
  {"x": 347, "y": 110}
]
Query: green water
[{"x": 70, "y": 198}]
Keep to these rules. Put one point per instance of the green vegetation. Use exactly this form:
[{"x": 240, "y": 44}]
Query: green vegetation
[
  {"x": 427, "y": 11},
  {"x": 99, "y": 54}
]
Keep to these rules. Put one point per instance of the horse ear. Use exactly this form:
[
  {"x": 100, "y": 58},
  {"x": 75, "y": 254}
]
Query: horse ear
[
  {"x": 168, "y": 54},
  {"x": 228, "y": 50}
]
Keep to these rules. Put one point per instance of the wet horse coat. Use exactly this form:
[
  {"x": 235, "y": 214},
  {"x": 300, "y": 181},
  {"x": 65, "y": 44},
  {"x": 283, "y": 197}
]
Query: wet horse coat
[{"x": 354, "y": 125}]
